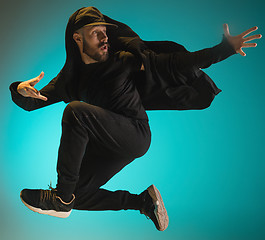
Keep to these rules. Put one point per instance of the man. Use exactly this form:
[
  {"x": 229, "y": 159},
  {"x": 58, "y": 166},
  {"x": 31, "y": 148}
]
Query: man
[{"x": 105, "y": 126}]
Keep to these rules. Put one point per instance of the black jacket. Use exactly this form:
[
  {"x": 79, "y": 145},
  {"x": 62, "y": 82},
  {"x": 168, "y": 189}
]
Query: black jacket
[{"x": 193, "y": 89}]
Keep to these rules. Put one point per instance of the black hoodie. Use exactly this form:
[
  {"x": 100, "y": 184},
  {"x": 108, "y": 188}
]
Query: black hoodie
[{"x": 190, "y": 88}]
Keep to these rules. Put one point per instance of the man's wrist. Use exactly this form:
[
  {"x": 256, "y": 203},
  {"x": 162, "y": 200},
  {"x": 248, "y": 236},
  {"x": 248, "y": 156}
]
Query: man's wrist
[
  {"x": 228, "y": 46},
  {"x": 14, "y": 88}
]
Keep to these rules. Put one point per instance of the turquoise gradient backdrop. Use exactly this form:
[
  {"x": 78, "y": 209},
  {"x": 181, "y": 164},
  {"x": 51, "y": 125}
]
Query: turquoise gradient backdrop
[{"x": 209, "y": 165}]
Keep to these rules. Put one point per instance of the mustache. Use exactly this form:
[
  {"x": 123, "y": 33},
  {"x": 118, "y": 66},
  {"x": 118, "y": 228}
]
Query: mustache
[{"x": 104, "y": 43}]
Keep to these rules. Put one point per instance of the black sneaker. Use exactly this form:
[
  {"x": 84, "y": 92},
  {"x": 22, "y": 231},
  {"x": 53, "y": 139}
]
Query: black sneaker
[
  {"x": 153, "y": 208},
  {"x": 46, "y": 202}
]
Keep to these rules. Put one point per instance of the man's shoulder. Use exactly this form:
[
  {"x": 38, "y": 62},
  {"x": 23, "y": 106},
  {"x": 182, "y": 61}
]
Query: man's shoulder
[
  {"x": 124, "y": 58},
  {"x": 123, "y": 55}
]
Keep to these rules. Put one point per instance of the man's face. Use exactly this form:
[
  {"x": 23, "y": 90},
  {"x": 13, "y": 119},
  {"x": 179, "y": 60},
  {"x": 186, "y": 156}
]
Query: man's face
[{"x": 95, "y": 42}]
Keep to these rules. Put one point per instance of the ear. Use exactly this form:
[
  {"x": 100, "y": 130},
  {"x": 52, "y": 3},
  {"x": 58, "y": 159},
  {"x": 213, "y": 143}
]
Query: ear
[{"x": 77, "y": 38}]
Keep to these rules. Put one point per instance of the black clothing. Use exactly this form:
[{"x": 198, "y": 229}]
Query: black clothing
[
  {"x": 181, "y": 88},
  {"x": 109, "y": 85},
  {"x": 98, "y": 140},
  {"x": 109, "y": 129},
  {"x": 176, "y": 81},
  {"x": 171, "y": 80},
  {"x": 95, "y": 145},
  {"x": 106, "y": 84}
]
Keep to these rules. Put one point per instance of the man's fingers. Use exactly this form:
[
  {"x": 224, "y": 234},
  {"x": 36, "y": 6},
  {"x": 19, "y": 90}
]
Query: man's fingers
[
  {"x": 249, "y": 45},
  {"x": 243, "y": 34},
  {"x": 35, "y": 94},
  {"x": 42, "y": 97},
  {"x": 242, "y": 53},
  {"x": 257, "y": 36},
  {"x": 226, "y": 29},
  {"x": 41, "y": 75},
  {"x": 31, "y": 92},
  {"x": 35, "y": 80},
  {"x": 31, "y": 89}
]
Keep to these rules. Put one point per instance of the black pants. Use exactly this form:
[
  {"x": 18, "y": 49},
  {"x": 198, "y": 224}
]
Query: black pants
[{"x": 95, "y": 145}]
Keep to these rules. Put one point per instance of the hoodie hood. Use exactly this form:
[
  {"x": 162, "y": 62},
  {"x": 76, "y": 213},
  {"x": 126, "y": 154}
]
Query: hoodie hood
[
  {"x": 73, "y": 57},
  {"x": 82, "y": 17}
]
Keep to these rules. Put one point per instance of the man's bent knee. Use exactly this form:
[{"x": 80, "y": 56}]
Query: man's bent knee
[
  {"x": 75, "y": 110},
  {"x": 70, "y": 114}
]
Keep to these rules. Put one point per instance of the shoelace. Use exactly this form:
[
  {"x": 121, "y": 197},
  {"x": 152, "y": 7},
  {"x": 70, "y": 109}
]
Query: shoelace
[{"x": 48, "y": 194}]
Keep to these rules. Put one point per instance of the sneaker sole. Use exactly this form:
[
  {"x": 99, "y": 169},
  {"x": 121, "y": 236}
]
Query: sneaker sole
[
  {"x": 160, "y": 210},
  {"x": 47, "y": 212}
]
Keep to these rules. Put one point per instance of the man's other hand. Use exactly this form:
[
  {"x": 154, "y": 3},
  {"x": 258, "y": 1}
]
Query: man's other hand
[
  {"x": 27, "y": 89},
  {"x": 239, "y": 42}
]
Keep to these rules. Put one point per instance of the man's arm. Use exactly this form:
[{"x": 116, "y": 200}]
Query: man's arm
[
  {"x": 26, "y": 96},
  {"x": 206, "y": 57}
]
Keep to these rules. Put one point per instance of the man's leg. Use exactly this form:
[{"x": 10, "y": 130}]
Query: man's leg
[
  {"x": 95, "y": 145},
  {"x": 110, "y": 136},
  {"x": 92, "y": 198},
  {"x": 99, "y": 165},
  {"x": 114, "y": 135}
]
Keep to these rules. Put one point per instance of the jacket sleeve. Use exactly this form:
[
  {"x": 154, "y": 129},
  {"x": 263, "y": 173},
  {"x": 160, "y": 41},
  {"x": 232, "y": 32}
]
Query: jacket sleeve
[
  {"x": 29, "y": 103},
  {"x": 204, "y": 58},
  {"x": 175, "y": 81}
]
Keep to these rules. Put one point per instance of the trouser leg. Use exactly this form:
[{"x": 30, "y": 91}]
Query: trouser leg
[
  {"x": 96, "y": 170},
  {"x": 71, "y": 151},
  {"x": 118, "y": 139}
]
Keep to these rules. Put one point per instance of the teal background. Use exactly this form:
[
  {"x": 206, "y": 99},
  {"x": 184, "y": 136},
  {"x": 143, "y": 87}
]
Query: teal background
[{"x": 209, "y": 165}]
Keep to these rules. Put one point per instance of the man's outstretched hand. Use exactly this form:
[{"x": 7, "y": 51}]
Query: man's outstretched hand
[
  {"x": 239, "y": 42},
  {"x": 27, "y": 89}
]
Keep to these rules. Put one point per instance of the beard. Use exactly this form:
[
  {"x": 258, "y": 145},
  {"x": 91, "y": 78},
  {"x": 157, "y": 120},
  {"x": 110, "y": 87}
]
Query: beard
[{"x": 95, "y": 54}]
